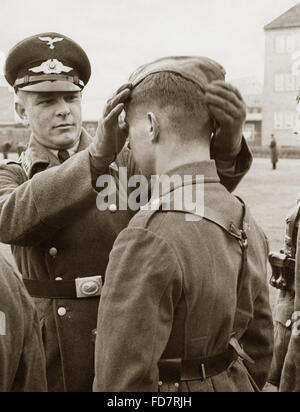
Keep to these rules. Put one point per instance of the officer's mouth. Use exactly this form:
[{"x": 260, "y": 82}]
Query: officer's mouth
[{"x": 64, "y": 126}]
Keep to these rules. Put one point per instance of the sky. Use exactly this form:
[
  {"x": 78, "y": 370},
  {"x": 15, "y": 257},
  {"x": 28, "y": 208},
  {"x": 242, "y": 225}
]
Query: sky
[{"x": 120, "y": 35}]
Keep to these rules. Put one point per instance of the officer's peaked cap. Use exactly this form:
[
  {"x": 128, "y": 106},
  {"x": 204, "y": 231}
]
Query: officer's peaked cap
[
  {"x": 47, "y": 62},
  {"x": 200, "y": 70}
]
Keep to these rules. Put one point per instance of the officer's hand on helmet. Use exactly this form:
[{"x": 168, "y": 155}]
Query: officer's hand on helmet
[
  {"x": 228, "y": 108},
  {"x": 112, "y": 131}
]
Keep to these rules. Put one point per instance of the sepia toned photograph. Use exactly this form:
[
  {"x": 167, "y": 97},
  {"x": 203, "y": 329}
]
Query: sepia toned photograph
[{"x": 150, "y": 198}]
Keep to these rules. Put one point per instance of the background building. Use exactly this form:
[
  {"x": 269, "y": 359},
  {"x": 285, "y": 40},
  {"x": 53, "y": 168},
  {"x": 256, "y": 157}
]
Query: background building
[
  {"x": 282, "y": 52},
  {"x": 252, "y": 90}
]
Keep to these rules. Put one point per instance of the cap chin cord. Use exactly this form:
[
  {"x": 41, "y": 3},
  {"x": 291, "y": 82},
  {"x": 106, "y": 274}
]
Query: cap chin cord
[{"x": 43, "y": 78}]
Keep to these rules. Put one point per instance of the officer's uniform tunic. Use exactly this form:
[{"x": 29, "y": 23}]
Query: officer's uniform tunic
[{"x": 171, "y": 292}]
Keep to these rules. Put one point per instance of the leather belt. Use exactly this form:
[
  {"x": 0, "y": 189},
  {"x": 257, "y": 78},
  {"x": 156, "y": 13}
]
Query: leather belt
[
  {"x": 79, "y": 288},
  {"x": 179, "y": 370}
]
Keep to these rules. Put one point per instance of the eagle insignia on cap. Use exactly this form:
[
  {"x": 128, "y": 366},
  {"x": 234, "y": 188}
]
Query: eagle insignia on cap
[
  {"x": 52, "y": 66},
  {"x": 51, "y": 41}
]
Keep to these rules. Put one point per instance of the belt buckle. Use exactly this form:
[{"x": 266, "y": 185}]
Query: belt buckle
[{"x": 88, "y": 287}]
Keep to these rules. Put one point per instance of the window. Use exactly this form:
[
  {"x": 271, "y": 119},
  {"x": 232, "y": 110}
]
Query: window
[
  {"x": 291, "y": 44},
  {"x": 284, "y": 120},
  {"x": 286, "y": 82},
  {"x": 280, "y": 44},
  {"x": 298, "y": 42},
  {"x": 278, "y": 120},
  {"x": 249, "y": 132},
  {"x": 290, "y": 83},
  {"x": 279, "y": 82},
  {"x": 289, "y": 120}
]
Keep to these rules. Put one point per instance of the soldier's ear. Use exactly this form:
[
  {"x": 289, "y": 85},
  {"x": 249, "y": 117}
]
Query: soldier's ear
[
  {"x": 153, "y": 127},
  {"x": 21, "y": 111}
]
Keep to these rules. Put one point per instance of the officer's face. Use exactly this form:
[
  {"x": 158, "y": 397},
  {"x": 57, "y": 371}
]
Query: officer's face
[{"x": 54, "y": 118}]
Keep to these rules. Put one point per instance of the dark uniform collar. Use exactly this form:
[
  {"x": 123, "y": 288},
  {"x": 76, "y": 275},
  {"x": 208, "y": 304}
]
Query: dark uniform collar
[
  {"x": 38, "y": 158},
  {"x": 205, "y": 168},
  {"x": 204, "y": 172}
]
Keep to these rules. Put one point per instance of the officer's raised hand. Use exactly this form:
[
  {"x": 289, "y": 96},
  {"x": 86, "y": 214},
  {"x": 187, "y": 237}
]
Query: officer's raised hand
[
  {"x": 228, "y": 108},
  {"x": 111, "y": 133}
]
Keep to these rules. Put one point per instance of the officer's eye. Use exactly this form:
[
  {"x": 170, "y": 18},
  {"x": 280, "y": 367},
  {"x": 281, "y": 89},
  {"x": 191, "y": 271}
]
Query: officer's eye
[
  {"x": 46, "y": 101},
  {"x": 71, "y": 98}
]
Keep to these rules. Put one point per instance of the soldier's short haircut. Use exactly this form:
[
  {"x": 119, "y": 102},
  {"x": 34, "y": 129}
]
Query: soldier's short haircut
[{"x": 166, "y": 89}]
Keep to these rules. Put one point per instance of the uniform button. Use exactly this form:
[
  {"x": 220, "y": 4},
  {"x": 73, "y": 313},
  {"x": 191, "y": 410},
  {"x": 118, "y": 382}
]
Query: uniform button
[
  {"x": 53, "y": 252},
  {"x": 288, "y": 323},
  {"x": 113, "y": 208},
  {"x": 62, "y": 312},
  {"x": 59, "y": 279}
]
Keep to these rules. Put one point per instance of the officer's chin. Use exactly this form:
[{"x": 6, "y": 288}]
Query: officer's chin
[{"x": 65, "y": 141}]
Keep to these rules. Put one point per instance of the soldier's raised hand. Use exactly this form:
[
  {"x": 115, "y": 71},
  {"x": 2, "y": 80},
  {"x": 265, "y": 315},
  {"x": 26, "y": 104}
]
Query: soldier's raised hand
[
  {"x": 112, "y": 132},
  {"x": 228, "y": 108}
]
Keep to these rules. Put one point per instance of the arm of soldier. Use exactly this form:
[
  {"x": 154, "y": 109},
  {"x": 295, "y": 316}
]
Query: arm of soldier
[
  {"x": 290, "y": 378},
  {"x": 229, "y": 148},
  {"x": 21, "y": 351},
  {"x": 31, "y": 374},
  {"x": 33, "y": 210},
  {"x": 142, "y": 286},
  {"x": 258, "y": 340}
]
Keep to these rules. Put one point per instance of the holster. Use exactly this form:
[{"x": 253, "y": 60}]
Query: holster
[{"x": 283, "y": 271}]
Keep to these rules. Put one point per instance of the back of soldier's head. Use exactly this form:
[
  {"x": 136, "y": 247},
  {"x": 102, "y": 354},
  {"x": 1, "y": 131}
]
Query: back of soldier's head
[{"x": 176, "y": 101}]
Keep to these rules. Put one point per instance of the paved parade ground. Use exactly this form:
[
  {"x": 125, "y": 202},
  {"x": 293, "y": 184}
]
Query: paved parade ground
[{"x": 270, "y": 194}]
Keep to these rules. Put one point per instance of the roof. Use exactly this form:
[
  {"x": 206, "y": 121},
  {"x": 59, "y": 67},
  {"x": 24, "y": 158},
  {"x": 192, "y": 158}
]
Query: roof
[{"x": 291, "y": 18}]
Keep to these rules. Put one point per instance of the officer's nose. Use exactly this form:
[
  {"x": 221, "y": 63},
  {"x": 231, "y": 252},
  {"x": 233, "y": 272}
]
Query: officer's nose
[{"x": 62, "y": 108}]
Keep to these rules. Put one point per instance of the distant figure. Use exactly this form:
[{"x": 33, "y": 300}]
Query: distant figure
[
  {"x": 21, "y": 148},
  {"x": 5, "y": 149},
  {"x": 274, "y": 152}
]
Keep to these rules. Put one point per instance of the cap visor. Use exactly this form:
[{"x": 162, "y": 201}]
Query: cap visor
[{"x": 51, "y": 87}]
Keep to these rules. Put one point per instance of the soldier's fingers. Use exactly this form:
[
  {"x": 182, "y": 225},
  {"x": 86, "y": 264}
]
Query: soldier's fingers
[
  {"x": 220, "y": 115},
  {"x": 227, "y": 86},
  {"x": 119, "y": 98},
  {"x": 114, "y": 113},
  {"x": 225, "y": 106},
  {"x": 226, "y": 94}
]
